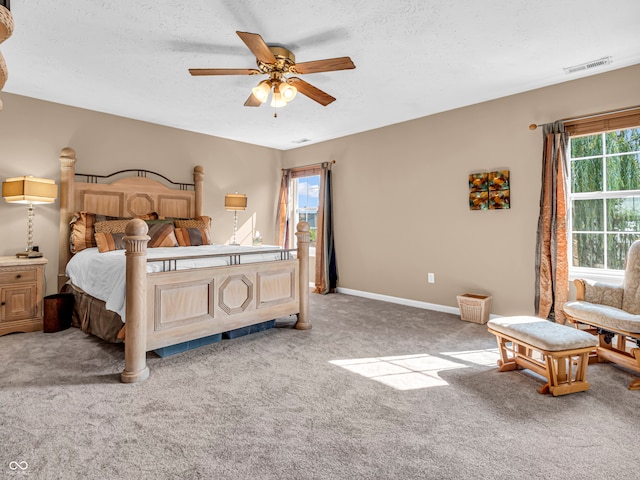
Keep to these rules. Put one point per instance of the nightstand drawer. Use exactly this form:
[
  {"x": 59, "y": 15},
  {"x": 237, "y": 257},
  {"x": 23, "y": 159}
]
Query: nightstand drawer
[{"x": 11, "y": 275}]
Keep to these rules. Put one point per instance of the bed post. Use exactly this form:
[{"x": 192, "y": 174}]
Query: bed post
[
  {"x": 135, "y": 347},
  {"x": 198, "y": 180},
  {"x": 67, "y": 194},
  {"x": 303, "y": 237}
]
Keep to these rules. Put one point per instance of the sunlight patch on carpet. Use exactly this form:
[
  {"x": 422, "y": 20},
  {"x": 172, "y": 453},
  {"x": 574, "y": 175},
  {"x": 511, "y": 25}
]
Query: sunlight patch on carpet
[
  {"x": 405, "y": 372},
  {"x": 487, "y": 357}
]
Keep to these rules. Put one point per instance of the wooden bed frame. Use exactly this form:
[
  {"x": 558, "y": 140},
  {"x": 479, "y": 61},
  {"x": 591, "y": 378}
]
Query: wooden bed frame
[{"x": 177, "y": 306}]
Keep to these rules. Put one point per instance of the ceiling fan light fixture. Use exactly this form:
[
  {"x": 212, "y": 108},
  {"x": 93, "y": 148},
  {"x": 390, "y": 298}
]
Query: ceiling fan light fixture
[
  {"x": 278, "y": 62},
  {"x": 261, "y": 91},
  {"x": 277, "y": 101},
  {"x": 288, "y": 92}
]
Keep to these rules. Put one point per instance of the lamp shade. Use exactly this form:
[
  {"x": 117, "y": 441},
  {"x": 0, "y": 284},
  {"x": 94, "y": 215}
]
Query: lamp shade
[
  {"x": 288, "y": 92},
  {"x": 235, "y": 201},
  {"x": 261, "y": 92},
  {"x": 29, "y": 190},
  {"x": 277, "y": 101}
]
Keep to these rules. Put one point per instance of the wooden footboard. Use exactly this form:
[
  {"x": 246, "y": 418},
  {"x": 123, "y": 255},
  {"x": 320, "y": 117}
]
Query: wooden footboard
[{"x": 174, "y": 307}]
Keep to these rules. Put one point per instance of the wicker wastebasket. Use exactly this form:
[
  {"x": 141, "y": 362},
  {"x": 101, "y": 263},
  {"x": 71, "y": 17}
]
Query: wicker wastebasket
[{"x": 474, "y": 307}]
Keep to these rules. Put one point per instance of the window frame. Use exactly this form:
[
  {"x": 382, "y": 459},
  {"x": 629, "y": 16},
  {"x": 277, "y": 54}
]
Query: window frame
[
  {"x": 295, "y": 174},
  {"x": 593, "y": 125}
]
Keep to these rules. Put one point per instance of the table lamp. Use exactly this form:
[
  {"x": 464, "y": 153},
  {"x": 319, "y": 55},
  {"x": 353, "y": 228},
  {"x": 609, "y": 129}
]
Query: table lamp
[
  {"x": 234, "y": 202},
  {"x": 29, "y": 191}
]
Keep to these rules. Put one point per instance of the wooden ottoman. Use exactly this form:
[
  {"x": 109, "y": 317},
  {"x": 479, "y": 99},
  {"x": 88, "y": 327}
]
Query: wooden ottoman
[{"x": 557, "y": 352}]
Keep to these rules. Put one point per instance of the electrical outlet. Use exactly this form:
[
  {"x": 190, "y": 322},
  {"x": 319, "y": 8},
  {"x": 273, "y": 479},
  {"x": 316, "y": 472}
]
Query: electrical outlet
[{"x": 431, "y": 278}]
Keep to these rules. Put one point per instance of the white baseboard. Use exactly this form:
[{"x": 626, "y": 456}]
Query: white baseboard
[
  {"x": 403, "y": 301},
  {"x": 400, "y": 301}
]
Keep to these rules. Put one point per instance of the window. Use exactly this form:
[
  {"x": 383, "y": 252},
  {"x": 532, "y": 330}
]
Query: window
[
  {"x": 604, "y": 198},
  {"x": 304, "y": 194}
]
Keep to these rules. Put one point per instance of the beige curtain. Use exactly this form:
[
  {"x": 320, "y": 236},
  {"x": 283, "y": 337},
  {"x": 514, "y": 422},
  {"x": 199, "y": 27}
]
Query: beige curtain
[{"x": 552, "y": 265}]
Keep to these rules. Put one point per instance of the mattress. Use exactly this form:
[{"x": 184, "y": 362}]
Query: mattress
[{"x": 103, "y": 275}]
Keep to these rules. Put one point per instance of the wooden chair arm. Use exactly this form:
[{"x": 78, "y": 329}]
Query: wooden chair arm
[{"x": 579, "y": 283}]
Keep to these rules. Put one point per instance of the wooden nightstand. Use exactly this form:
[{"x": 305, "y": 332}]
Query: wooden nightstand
[{"x": 21, "y": 293}]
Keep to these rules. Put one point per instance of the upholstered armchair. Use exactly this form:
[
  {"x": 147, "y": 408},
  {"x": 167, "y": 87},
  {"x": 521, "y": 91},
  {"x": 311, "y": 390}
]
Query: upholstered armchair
[{"x": 613, "y": 312}]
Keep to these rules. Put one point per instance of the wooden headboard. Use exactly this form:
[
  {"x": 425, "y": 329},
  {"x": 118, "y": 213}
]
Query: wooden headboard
[{"x": 122, "y": 194}]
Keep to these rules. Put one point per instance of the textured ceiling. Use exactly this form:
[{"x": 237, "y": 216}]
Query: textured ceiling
[{"x": 413, "y": 57}]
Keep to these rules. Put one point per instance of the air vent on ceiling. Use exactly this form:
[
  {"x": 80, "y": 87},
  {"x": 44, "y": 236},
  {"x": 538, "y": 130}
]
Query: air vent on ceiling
[
  {"x": 601, "y": 62},
  {"x": 302, "y": 140}
]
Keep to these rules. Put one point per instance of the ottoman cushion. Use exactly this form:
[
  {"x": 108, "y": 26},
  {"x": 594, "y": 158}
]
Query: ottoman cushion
[{"x": 543, "y": 334}]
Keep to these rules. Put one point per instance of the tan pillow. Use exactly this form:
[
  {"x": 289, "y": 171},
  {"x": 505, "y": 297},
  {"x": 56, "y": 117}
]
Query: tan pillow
[
  {"x": 148, "y": 216},
  {"x": 192, "y": 237},
  {"x": 162, "y": 235},
  {"x": 83, "y": 228},
  {"x": 120, "y": 225},
  {"x": 108, "y": 242},
  {"x": 197, "y": 222},
  {"x": 203, "y": 223},
  {"x": 112, "y": 226}
]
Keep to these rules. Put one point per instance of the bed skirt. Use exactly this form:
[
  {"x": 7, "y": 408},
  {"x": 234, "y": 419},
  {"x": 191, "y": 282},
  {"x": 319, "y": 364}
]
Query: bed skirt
[{"x": 92, "y": 316}]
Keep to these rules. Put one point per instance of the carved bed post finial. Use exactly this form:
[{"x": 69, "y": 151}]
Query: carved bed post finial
[
  {"x": 6, "y": 21},
  {"x": 135, "y": 347},
  {"x": 198, "y": 180},
  {"x": 6, "y": 30},
  {"x": 67, "y": 194},
  {"x": 303, "y": 236}
]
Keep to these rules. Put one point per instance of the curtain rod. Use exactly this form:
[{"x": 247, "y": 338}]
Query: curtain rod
[
  {"x": 533, "y": 126},
  {"x": 310, "y": 165}
]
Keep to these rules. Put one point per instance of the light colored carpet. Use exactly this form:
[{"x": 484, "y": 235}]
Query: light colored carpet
[{"x": 373, "y": 391}]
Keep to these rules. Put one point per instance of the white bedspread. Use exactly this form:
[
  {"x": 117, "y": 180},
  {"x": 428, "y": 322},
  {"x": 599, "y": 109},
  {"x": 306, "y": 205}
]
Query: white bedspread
[{"x": 102, "y": 275}]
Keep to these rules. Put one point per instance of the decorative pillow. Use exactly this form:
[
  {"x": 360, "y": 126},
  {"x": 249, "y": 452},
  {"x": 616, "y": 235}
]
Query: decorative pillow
[
  {"x": 162, "y": 235},
  {"x": 111, "y": 226},
  {"x": 202, "y": 222},
  {"x": 120, "y": 225},
  {"x": 164, "y": 221},
  {"x": 197, "y": 222},
  {"x": 109, "y": 241},
  {"x": 148, "y": 216},
  {"x": 83, "y": 228},
  {"x": 192, "y": 237}
]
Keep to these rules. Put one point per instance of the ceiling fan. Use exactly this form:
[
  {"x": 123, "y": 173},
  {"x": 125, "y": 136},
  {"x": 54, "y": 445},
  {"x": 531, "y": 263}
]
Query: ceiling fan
[{"x": 279, "y": 64}]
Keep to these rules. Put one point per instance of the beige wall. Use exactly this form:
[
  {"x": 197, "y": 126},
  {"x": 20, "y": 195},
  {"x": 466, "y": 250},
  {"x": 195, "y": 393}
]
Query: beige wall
[
  {"x": 33, "y": 132},
  {"x": 401, "y": 195},
  {"x": 400, "y": 192}
]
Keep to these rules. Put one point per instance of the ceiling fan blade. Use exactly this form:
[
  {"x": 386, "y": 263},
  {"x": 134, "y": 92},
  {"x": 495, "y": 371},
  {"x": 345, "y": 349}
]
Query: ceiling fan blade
[
  {"x": 223, "y": 71},
  {"x": 310, "y": 91},
  {"x": 328, "y": 65},
  {"x": 257, "y": 46},
  {"x": 252, "y": 101}
]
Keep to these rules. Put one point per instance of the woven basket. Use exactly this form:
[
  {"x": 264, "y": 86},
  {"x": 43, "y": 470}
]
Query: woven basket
[
  {"x": 474, "y": 308},
  {"x": 6, "y": 24}
]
